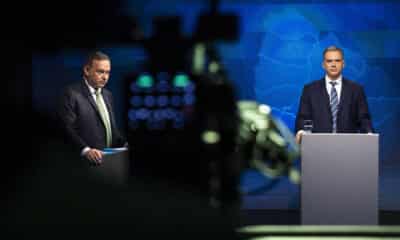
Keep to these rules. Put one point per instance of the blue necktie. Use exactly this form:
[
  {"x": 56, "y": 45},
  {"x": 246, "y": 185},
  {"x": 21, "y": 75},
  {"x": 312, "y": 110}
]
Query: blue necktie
[{"x": 334, "y": 102}]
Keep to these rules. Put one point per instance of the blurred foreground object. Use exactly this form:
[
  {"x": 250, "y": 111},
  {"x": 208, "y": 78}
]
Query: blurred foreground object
[{"x": 265, "y": 142}]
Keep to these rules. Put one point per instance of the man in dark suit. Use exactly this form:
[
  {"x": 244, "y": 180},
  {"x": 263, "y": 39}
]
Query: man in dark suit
[
  {"x": 86, "y": 111},
  {"x": 333, "y": 103}
]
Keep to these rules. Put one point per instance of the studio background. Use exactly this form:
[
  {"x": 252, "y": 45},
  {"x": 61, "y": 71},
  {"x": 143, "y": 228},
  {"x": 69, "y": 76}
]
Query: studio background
[{"x": 279, "y": 50}]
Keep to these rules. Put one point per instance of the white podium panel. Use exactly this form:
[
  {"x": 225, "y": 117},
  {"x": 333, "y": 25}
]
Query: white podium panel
[{"x": 339, "y": 183}]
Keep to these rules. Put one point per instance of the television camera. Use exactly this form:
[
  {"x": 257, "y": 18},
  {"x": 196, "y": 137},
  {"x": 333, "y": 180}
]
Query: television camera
[{"x": 185, "y": 121}]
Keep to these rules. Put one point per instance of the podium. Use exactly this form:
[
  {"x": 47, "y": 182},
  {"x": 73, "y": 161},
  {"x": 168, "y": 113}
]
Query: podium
[
  {"x": 114, "y": 168},
  {"x": 339, "y": 181}
]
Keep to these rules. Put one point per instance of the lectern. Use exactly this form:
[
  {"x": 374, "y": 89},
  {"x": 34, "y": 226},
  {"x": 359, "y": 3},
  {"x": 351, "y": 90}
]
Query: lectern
[
  {"x": 114, "y": 168},
  {"x": 339, "y": 181}
]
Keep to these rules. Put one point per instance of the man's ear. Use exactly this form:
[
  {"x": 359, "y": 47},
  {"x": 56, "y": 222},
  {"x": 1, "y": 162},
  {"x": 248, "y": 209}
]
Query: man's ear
[{"x": 86, "y": 70}]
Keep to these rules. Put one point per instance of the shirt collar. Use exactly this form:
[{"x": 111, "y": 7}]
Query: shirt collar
[
  {"x": 338, "y": 80},
  {"x": 91, "y": 89}
]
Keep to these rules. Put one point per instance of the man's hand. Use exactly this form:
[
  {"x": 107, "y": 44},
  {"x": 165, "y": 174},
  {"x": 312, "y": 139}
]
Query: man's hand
[
  {"x": 94, "y": 156},
  {"x": 299, "y": 134}
]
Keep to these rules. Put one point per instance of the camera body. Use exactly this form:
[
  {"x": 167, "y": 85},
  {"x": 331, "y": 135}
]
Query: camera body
[{"x": 182, "y": 120}]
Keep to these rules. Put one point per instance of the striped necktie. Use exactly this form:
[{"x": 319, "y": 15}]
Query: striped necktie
[
  {"x": 104, "y": 116},
  {"x": 334, "y": 102}
]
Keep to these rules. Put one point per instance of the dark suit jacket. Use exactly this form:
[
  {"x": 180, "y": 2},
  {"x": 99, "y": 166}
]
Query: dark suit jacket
[
  {"x": 81, "y": 119},
  {"x": 353, "y": 114}
]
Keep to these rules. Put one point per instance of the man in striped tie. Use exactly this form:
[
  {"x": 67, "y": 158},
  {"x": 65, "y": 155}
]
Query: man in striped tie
[{"x": 334, "y": 104}]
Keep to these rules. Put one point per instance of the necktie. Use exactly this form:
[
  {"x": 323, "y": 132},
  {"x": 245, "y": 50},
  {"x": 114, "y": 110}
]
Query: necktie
[
  {"x": 334, "y": 102},
  {"x": 102, "y": 109}
]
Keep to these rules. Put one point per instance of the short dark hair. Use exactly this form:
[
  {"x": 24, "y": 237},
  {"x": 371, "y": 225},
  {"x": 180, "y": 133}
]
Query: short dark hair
[
  {"x": 96, "y": 55},
  {"x": 332, "y": 48}
]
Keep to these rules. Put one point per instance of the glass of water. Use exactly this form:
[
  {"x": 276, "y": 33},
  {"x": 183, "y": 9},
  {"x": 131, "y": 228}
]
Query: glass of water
[{"x": 308, "y": 126}]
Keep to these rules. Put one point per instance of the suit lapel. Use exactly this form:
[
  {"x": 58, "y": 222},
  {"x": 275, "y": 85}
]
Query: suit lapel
[
  {"x": 88, "y": 95},
  {"x": 108, "y": 104},
  {"x": 324, "y": 95},
  {"x": 344, "y": 96}
]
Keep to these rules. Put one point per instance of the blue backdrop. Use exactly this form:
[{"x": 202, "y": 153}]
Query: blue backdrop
[{"x": 279, "y": 50}]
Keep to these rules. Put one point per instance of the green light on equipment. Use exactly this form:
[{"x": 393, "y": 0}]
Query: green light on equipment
[
  {"x": 210, "y": 137},
  {"x": 181, "y": 80},
  {"x": 145, "y": 81}
]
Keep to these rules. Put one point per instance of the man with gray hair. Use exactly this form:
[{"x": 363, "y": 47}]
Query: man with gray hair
[
  {"x": 333, "y": 104},
  {"x": 86, "y": 111}
]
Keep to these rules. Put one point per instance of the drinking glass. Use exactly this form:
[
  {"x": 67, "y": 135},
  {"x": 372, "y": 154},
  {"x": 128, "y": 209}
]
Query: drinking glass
[{"x": 308, "y": 125}]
